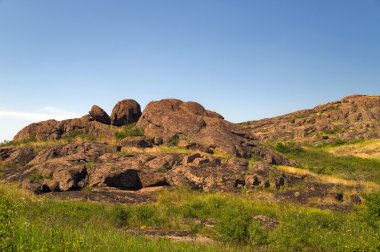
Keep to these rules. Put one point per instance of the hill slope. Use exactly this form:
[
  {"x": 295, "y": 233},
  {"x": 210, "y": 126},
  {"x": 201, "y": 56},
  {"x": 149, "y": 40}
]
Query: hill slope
[{"x": 353, "y": 117}]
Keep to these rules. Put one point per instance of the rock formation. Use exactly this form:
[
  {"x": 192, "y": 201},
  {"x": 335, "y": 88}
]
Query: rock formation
[
  {"x": 173, "y": 120},
  {"x": 209, "y": 154}
]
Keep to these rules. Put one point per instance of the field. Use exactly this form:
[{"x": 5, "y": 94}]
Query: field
[{"x": 30, "y": 223}]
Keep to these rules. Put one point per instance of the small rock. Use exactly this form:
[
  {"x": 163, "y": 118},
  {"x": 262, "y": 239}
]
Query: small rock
[
  {"x": 190, "y": 159},
  {"x": 137, "y": 142},
  {"x": 201, "y": 161}
]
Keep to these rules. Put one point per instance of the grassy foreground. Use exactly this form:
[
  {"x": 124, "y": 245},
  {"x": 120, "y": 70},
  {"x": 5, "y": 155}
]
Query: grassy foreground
[{"x": 30, "y": 223}]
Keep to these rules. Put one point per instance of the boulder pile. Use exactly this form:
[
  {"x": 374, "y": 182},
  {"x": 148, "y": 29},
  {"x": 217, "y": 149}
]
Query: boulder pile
[{"x": 210, "y": 153}]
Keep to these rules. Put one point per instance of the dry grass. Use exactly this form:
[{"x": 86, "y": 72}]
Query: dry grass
[
  {"x": 369, "y": 149},
  {"x": 367, "y": 186}
]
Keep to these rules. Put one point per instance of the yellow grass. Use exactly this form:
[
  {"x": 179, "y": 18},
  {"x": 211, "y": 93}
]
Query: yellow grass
[
  {"x": 369, "y": 186},
  {"x": 369, "y": 149}
]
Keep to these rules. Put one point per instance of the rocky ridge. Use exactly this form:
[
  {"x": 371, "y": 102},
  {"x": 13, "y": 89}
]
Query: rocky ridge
[
  {"x": 353, "y": 117},
  {"x": 171, "y": 143},
  {"x": 215, "y": 157}
]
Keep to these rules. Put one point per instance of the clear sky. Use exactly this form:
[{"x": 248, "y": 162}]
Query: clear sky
[{"x": 245, "y": 59}]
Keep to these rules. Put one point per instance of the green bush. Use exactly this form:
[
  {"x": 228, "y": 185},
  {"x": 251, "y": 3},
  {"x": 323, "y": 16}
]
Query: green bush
[
  {"x": 7, "y": 212},
  {"x": 234, "y": 226},
  {"x": 69, "y": 137},
  {"x": 288, "y": 148},
  {"x": 129, "y": 131},
  {"x": 173, "y": 142},
  {"x": 257, "y": 234},
  {"x": 120, "y": 215},
  {"x": 369, "y": 212},
  {"x": 35, "y": 175}
]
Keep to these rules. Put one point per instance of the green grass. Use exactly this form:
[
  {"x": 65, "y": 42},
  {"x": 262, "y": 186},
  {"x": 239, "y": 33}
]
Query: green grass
[
  {"x": 70, "y": 137},
  {"x": 35, "y": 175},
  {"x": 319, "y": 160},
  {"x": 173, "y": 142},
  {"x": 28, "y": 223},
  {"x": 129, "y": 131}
]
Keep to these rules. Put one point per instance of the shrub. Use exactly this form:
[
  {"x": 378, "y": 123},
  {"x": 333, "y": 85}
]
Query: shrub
[
  {"x": 369, "y": 212},
  {"x": 234, "y": 225},
  {"x": 148, "y": 215},
  {"x": 257, "y": 234},
  {"x": 288, "y": 148},
  {"x": 7, "y": 213},
  {"x": 35, "y": 175},
  {"x": 120, "y": 216},
  {"x": 90, "y": 165},
  {"x": 129, "y": 131},
  {"x": 69, "y": 137},
  {"x": 173, "y": 142}
]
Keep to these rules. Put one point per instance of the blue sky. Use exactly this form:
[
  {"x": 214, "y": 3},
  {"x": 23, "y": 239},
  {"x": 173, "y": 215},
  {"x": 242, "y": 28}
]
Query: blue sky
[{"x": 245, "y": 59}]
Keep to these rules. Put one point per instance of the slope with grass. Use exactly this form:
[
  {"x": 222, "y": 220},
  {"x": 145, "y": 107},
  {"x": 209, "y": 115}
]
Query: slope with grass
[
  {"x": 353, "y": 117},
  {"x": 233, "y": 222},
  {"x": 320, "y": 160}
]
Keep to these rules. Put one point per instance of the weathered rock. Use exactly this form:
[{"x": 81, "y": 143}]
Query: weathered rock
[
  {"x": 264, "y": 176},
  {"x": 201, "y": 161},
  {"x": 125, "y": 112},
  {"x": 100, "y": 115},
  {"x": 222, "y": 176},
  {"x": 29, "y": 185},
  {"x": 149, "y": 179},
  {"x": 190, "y": 158},
  {"x": 71, "y": 152},
  {"x": 136, "y": 142},
  {"x": 16, "y": 155},
  {"x": 186, "y": 144},
  {"x": 267, "y": 222},
  {"x": 165, "y": 161},
  {"x": 127, "y": 179},
  {"x": 52, "y": 129},
  {"x": 70, "y": 178}
]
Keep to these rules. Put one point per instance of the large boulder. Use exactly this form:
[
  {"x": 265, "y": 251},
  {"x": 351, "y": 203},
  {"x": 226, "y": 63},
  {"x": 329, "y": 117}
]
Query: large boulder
[
  {"x": 125, "y": 112},
  {"x": 100, "y": 115},
  {"x": 169, "y": 119}
]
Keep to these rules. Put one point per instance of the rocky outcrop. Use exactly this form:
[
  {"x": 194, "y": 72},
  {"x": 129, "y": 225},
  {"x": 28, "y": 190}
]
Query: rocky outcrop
[
  {"x": 52, "y": 129},
  {"x": 172, "y": 120},
  {"x": 100, "y": 115},
  {"x": 16, "y": 155},
  {"x": 125, "y": 112},
  {"x": 263, "y": 175},
  {"x": 74, "y": 166},
  {"x": 353, "y": 117}
]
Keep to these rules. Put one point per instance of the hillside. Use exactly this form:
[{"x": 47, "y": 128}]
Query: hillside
[
  {"x": 353, "y": 117},
  {"x": 179, "y": 177}
]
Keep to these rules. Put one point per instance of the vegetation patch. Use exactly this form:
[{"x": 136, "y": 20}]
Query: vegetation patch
[
  {"x": 71, "y": 136},
  {"x": 129, "y": 131},
  {"x": 319, "y": 160}
]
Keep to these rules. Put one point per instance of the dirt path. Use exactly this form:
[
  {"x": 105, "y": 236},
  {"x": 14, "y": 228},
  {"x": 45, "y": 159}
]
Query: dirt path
[{"x": 181, "y": 236}]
